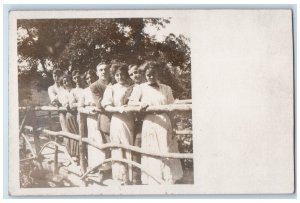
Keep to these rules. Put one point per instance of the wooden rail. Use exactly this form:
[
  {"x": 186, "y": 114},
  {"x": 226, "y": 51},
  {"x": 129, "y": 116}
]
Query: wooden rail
[
  {"x": 113, "y": 145},
  {"x": 93, "y": 110},
  {"x": 124, "y": 161},
  {"x": 84, "y": 140}
]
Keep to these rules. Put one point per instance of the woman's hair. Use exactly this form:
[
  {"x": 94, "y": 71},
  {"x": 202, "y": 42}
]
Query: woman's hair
[
  {"x": 65, "y": 76},
  {"x": 151, "y": 65},
  {"x": 57, "y": 71},
  {"x": 90, "y": 72},
  {"x": 132, "y": 66},
  {"x": 75, "y": 72},
  {"x": 119, "y": 67}
]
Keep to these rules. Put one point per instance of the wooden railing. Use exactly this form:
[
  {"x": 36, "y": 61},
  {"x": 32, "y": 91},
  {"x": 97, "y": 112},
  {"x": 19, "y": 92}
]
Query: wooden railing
[{"x": 83, "y": 140}]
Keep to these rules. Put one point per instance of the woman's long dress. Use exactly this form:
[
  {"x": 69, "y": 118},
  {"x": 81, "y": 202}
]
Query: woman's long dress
[
  {"x": 121, "y": 128},
  {"x": 54, "y": 93},
  {"x": 72, "y": 119},
  {"x": 157, "y": 135},
  {"x": 95, "y": 156},
  {"x": 71, "y": 124}
]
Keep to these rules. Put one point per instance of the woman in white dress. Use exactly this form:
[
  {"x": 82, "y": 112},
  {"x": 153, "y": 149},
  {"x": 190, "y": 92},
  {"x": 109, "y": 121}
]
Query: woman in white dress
[
  {"x": 53, "y": 92},
  {"x": 76, "y": 93},
  {"x": 135, "y": 74},
  {"x": 122, "y": 124},
  {"x": 72, "y": 118},
  {"x": 71, "y": 122},
  {"x": 95, "y": 156},
  {"x": 157, "y": 134}
]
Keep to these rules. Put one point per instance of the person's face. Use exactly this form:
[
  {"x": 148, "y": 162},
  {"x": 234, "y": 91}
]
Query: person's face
[
  {"x": 67, "y": 83},
  {"x": 102, "y": 72},
  {"x": 120, "y": 77},
  {"x": 90, "y": 79},
  {"x": 135, "y": 75},
  {"x": 151, "y": 76},
  {"x": 56, "y": 77},
  {"x": 76, "y": 79}
]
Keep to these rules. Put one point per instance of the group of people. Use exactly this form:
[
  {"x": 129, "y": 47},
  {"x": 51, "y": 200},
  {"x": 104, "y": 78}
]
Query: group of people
[{"x": 110, "y": 88}]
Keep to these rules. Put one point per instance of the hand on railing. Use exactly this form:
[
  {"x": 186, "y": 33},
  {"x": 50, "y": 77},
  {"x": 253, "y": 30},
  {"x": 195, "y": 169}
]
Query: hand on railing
[
  {"x": 121, "y": 109},
  {"x": 127, "y": 108},
  {"x": 55, "y": 102},
  {"x": 143, "y": 107},
  {"x": 91, "y": 109}
]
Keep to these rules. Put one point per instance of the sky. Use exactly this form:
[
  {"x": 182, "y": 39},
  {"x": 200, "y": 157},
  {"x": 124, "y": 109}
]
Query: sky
[{"x": 177, "y": 25}]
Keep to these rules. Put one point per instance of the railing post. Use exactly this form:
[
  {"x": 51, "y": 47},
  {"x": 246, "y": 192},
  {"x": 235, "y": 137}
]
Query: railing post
[
  {"x": 55, "y": 158},
  {"x": 82, "y": 145},
  {"x": 34, "y": 132},
  {"x": 20, "y": 132}
]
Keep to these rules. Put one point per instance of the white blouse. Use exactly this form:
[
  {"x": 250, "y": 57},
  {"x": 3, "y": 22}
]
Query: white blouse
[
  {"x": 75, "y": 95},
  {"x": 53, "y": 92},
  {"x": 147, "y": 94},
  {"x": 86, "y": 98},
  {"x": 116, "y": 95},
  {"x": 63, "y": 97}
]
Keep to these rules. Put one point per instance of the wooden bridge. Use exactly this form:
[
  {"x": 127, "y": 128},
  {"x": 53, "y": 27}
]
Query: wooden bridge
[{"x": 49, "y": 154}]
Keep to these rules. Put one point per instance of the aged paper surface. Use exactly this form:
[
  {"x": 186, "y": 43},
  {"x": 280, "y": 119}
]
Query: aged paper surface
[{"x": 242, "y": 97}]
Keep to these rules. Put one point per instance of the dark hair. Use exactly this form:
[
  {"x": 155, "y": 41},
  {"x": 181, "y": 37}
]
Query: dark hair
[
  {"x": 57, "y": 71},
  {"x": 75, "y": 72},
  {"x": 65, "y": 76},
  {"x": 90, "y": 72},
  {"x": 132, "y": 66},
  {"x": 119, "y": 67},
  {"x": 152, "y": 65}
]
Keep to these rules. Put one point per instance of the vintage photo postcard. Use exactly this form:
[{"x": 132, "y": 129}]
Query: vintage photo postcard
[{"x": 133, "y": 102}]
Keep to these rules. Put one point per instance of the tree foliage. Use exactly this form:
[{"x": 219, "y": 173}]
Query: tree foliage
[{"x": 44, "y": 44}]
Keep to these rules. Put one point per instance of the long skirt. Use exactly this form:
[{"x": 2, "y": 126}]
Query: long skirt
[
  {"x": 72, "y": 127},
  {"x": 136, "y": 157},
  {"x": 95, "y": 156},
  {"x": 62, "y": 120},
  {"x": 121, "y": 132},
  {"x": 157, "y": 137}
]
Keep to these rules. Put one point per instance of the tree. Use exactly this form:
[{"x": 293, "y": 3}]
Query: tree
[{"x": 44, "y": 44}]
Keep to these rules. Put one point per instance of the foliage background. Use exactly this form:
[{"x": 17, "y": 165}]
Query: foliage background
[{"x": 68, "y": 44}]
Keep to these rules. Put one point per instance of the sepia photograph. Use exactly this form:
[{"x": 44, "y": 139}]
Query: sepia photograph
[{"x": 105, "y": 102}]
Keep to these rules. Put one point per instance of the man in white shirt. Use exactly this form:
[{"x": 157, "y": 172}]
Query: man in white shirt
[{"x": 54, "y": 90}]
